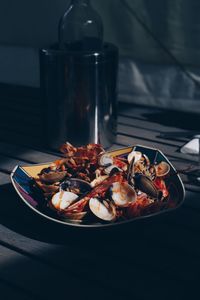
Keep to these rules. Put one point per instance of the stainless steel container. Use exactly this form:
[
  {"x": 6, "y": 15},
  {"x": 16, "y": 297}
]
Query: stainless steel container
[{"x": 79, "y": 96}]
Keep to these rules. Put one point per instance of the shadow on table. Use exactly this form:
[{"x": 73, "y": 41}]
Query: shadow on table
[
  {"x": 15, "y": 215},
  {"x": 18, "y": 217},
  {"x": 139, "y": 261},
  {"x": 184, "y": 120}
]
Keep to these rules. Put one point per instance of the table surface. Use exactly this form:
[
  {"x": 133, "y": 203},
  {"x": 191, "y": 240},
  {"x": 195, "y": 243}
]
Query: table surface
[{"x": 158, "y": 258}]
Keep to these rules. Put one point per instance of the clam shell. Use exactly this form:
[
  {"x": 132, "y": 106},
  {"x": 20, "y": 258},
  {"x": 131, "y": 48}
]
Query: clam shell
[
  {"x": 62, "y": 200},
  {"x": 136, "y": 155},
  {"x": 123, "y": 194},
  {"x": 162, "y": 169},
  {"x": 106, "y": 212},
  {"x": 105, "y": 160}
]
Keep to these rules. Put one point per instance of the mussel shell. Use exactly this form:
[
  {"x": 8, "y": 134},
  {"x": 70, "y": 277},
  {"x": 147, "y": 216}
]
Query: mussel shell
[
  {"x": 146, "y": 185},
  {"x": 73, "y": 184}
]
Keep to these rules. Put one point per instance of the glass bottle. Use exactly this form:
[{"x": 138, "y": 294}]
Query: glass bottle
[{"x": 80, "y": 28}]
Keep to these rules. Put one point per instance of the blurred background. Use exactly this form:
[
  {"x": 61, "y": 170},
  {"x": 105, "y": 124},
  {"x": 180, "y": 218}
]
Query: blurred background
[{"x": 158, "y": 41}]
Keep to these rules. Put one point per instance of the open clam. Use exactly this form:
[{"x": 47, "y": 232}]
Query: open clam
[
  {"x": 162, "y": 169},
  {"x": 104, "y": 210},
  {"x": 62, "y": 200},
  {"x": 123, "y": 194},
  {"x": 68, "y": 199},
  {"x": 140, "y": 163},
  {"x": 105, "y": 160}
]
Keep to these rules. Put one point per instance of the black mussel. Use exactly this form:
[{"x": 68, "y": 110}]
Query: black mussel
[
  {"x": 146, "y": 185},
  {"x": 77, "y": 186}
]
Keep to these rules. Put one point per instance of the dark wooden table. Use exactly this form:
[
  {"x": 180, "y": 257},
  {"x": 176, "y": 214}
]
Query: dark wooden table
[{"x": 154, "y": 259}]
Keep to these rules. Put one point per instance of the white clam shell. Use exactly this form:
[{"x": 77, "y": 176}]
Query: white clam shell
[
  {"x": 62, "y": 199},
  {"x": 123, "y": 194},
  {"x": 134, "y": 154},
  {"x": 101, "y": 211},
  {"x": 105, "y": 160},
  {"x": 162, "y": 169}
]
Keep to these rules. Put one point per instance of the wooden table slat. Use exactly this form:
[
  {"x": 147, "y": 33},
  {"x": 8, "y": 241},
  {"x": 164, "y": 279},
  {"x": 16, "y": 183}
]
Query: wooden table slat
[
  {"x": 8, "y": 106},
  {"x": 7, "y": 164},
  {"x": 146, "y": 135},
  {"x": 27, "y": 154},
  {"x": 176, "y": 272},
  {"x": 170, "y": 151},
  {"x": 10, "y": 291},
  {"x": 4, "y": 178},
  {"x": 13, "y": 117},
  {"x": 150, "y": 126},
  {"x": 138, "y": 112}
]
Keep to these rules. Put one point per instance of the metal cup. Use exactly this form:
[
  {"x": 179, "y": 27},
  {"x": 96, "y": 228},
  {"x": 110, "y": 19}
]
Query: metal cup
[{"x": 79, "y": 96}]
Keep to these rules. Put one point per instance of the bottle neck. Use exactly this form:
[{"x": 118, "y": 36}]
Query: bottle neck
[{"x": 82, "y": 2}]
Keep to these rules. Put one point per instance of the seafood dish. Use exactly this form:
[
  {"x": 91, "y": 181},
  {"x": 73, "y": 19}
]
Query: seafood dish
[{"x": 89, "y": 186}]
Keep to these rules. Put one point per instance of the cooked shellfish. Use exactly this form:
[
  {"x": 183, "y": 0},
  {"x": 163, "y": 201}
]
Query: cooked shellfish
[
  {"x": 110, "y": 186},
  {"x": 146, "y": 185},
  {"x": 62, "y": 200},
  {"x": 105, "y": 160},
  {"x": 136, "y": 155},
  {"x": 123, "y": 194},
  {"x": 52, "y": 176},
  {"x": 162, "y": 169},
  {"x": 75, "y": 185},
  {"x": 104, "y": 210}
]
